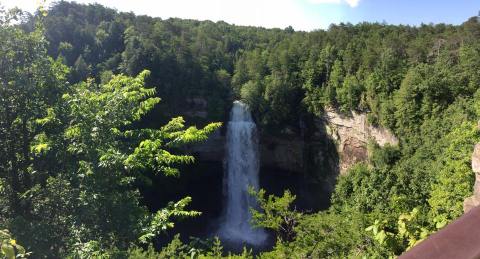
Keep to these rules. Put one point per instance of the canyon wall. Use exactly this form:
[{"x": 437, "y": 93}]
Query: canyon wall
[
  {"x": 351, "y": 134},
  {"x": 301, "y": 154},
  {"x": 281, "y": 153}
]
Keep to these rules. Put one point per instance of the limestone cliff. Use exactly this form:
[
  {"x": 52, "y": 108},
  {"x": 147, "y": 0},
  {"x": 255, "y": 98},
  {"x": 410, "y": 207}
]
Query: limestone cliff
[{"x": 351, "y": 134}]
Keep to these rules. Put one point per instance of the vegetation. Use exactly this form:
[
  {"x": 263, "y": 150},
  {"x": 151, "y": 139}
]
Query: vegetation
[
  {"x": 276, "y": 214},
  {"x": 80, "y": 130},
  {"x": 71, "y": 156},
  {"x": 10, "y": 248}
]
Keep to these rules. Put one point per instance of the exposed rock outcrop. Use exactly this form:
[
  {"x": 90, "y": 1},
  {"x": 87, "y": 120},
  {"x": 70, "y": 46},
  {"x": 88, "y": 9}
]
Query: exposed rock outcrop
[
  {"x": 352, "y": 134},
  {"x": 474, "y": 200}
]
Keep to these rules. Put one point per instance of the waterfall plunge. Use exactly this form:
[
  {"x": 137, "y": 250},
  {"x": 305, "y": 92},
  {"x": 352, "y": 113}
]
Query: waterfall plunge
[{"x": 242, "y": 165}]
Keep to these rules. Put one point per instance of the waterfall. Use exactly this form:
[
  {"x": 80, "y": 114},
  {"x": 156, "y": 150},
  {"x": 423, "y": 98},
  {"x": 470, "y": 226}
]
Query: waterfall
[{"x": 241, "y": 171}]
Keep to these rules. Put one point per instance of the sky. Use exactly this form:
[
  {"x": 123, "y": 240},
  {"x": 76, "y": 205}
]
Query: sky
[{"x": 303, "y": 15}]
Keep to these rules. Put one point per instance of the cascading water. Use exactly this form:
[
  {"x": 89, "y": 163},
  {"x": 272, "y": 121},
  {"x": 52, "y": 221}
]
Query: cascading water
[{"x": 242, "y": 166}]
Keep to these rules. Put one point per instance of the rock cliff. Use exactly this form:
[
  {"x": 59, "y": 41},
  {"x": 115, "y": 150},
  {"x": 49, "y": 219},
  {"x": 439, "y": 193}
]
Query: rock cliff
[
  {"x": 284, "y": 154},
  {"x": 351, "y": 134},
  {"x": 301, "y": 154},
  {"x": 211, "y": 150},
  {"x": 279, "y": 153}
]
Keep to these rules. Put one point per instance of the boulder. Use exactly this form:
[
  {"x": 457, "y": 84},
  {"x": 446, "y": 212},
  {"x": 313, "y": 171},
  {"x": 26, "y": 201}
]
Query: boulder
[
  {"x": 470, "y": 202},
  {"x": 476, "y": 159},
  {"x": 474, "y": 200}
]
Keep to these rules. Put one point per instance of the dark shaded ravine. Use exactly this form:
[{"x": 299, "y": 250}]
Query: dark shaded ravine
[{"x": 203, "y": 182}]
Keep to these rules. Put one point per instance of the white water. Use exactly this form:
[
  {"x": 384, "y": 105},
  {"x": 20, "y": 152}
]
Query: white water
[{"x": 242, "y": 165}]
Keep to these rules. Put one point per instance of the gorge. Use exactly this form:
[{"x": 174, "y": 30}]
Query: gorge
[{"x": 120, "y": 136}]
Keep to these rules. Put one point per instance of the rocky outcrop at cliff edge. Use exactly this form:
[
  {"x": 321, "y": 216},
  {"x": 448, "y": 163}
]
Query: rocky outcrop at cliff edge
[
  {"x": 352, "y": 134},
  {"x": 474, "y": 200}
]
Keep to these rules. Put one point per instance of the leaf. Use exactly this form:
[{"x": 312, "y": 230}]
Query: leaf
[
  {"x": 381, "y": 237},
  {"x": 20, "y": 249},
  {"x": 8, "y": 251},
  {"x": 441, "y": 224}
]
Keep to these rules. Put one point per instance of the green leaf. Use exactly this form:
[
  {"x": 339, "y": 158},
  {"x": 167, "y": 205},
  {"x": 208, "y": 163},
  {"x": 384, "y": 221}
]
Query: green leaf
[{"x": 8, "y": 251}]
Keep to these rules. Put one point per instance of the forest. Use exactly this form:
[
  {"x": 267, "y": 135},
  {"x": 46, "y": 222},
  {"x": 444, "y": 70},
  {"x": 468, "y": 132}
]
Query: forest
[{"x": 94, "y": 107}]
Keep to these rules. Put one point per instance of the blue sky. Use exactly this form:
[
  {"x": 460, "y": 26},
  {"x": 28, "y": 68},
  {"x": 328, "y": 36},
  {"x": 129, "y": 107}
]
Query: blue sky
[{"x": 300, "y": 14}]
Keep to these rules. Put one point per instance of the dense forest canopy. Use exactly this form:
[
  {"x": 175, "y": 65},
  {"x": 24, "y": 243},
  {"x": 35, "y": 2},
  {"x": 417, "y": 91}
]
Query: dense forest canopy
[{"x": 86, "y": 100}]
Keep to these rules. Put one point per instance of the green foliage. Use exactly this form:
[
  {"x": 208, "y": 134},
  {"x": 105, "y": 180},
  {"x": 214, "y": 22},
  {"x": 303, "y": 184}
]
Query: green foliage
[
  {"x": 275, "y": 213},
  {"x": 383, "y": 157},
  {"x": 177, "y": 249},
  {"x": 431, "y": 182},
  {"x": 364, "y": 189},
  {"x": 152, "y": 153},
  {"x": 348, "y": 95},
  {"x": 161, "y": 221},
  {"x": 72, "y": 154},
  {"x": 454, "y": 178},
  {"x": 9, "y": 247},
  {"x": 323, "y": 235},
  {"x": 100, "y": 113},
  {"x": 408, "y": 232}
]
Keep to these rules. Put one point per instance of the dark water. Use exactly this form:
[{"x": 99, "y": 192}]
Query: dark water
[{"x": 203, "y": 182}]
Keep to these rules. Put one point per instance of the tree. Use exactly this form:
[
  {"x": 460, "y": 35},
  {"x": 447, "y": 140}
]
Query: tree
[
  {"x": 80, "y": 69},
  {"x": 110, "y": 155},
  {"x": 349, "y": 94},
  {"x": 31, "y": 83},
  {"x": 276, "y": 214},
  {"x": 73, "y": 153}
]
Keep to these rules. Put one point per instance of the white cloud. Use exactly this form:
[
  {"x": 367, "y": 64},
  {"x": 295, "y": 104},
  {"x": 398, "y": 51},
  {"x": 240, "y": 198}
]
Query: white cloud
[{"x": 351, "y": 3}]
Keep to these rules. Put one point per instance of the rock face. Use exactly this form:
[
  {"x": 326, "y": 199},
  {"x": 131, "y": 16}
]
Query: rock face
[
  {"x": 211, "y": 150},
  {"x": 282, "y": 153},
  {"x": 275, "y": 152},
  {"x": 474, "y": 200},
  {"x": 352, "y": 134},
  {"x": 196, "y": 107}
]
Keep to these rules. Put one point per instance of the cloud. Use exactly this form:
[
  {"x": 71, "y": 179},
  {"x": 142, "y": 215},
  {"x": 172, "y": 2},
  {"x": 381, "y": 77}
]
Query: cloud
[{"x": 351, "y": 3}]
